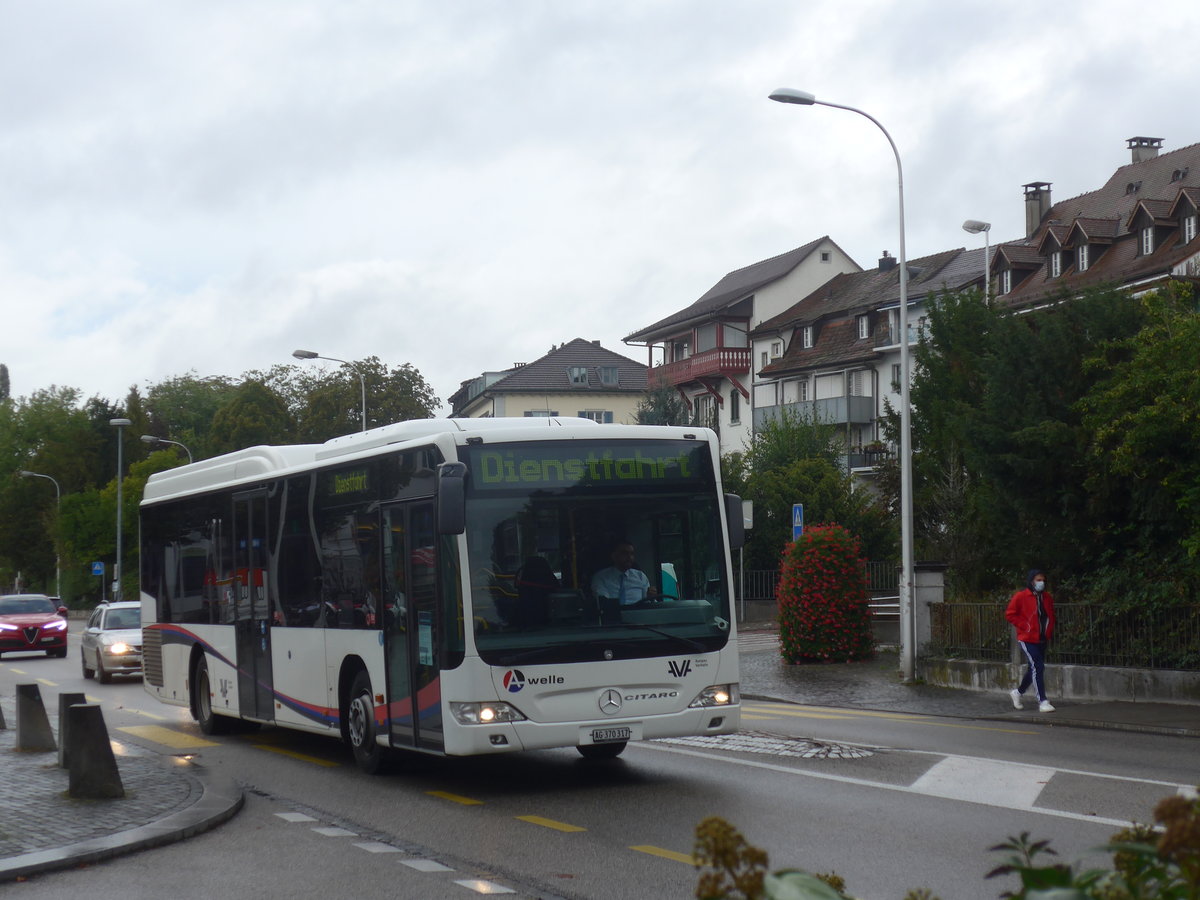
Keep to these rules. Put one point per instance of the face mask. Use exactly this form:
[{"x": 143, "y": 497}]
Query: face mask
[{"x": 1039, "y": 586}]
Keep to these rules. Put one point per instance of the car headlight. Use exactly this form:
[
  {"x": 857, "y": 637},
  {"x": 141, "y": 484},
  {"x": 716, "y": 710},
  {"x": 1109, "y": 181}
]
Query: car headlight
[
  {"x": 485, "y": 713},
  {"x": 4, "y": 626},
  {"x": 59, "y": 625},
  {"x": 118, "y": 648},
  {"x": 716, "y": 695}
]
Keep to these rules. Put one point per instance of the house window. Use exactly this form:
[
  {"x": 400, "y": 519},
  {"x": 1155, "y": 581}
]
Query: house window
[
  {"x": 1055, "y": 263},
  {"x": 1081, "y": 257},
  {"x": 807, "y": 340},
  {"x": 704, "y": 411},
  {"x": 826, "y": 256},
  {"x": 764, "y": 360},
  {"x": 608, "y": 375},
  {"x": 864, "y": 327},
  {"x": 603, "y": 416},
  {"x": 1006, "y": 281},
  {"x": 795, "y": 391},
  {"x": 1147, "y": 240},
  {"x": 1189, "y": 228},
  {"x": 735, "y": 407},
  {"x": 540, "y": 413},
  {"x": 577, "y": 374},
  {"x": 895, "y": 378},
  {"x": 776, "y": 349}
]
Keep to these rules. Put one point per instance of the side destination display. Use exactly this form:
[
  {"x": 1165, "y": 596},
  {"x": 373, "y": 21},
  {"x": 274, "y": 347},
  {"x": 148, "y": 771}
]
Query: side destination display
[{"x": 560, "y": 464}]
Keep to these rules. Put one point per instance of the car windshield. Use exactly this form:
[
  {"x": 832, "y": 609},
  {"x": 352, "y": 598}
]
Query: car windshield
[
  {"x": 550, "y": 533},
  {"x": 122, "y": 618},
  {"x": 15, "y": 606}
]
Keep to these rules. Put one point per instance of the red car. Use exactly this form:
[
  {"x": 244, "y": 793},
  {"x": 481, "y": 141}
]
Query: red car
[{"x": 32, "y": 622}]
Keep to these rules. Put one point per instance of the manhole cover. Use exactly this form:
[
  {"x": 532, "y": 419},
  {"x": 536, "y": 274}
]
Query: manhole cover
[{"x": 773, "y": 745}]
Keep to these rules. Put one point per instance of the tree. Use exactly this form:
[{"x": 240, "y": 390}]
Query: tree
[
  {"x": 253, "y": 415},
  {"x": 182, "y": 409},
  {"x": 662, "y": 405}
]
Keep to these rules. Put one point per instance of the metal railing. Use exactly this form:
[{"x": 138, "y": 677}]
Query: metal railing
[
  {"x": 1086, "y": 634},
  {"x": 883, "y": 580}
]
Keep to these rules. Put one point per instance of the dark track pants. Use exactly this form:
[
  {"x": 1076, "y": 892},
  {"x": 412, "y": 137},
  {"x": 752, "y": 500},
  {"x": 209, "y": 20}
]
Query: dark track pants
[{"x": 1035, "y": 669}]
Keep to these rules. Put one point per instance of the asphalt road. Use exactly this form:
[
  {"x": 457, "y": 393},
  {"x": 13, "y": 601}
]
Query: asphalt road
[{"x": 887, "y": 800}]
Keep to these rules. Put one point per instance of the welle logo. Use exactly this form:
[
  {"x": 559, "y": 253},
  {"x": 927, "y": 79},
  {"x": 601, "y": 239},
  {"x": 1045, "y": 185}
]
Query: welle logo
[
  {"x": 679, "y": 669},
  {"x": 514, "y": 680}
]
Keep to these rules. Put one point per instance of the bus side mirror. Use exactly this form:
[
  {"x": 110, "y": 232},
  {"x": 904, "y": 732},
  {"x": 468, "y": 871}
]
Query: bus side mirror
[
  {"x": 737, "y": 525},
  {"x": 451, "y": 498}
]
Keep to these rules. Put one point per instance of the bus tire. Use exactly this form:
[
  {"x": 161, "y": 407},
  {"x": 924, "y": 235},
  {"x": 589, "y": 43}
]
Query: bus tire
[
  {"x": 210, "y": 722},
  {"x": 360, "y": 726},
  {"x": 602, "y": 751}
]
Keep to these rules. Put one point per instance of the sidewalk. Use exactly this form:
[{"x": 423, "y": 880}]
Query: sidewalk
[
  {"x": 166, "y": 799},
  {"x": 169, "y": 799},
  {"x": 876, "y": 685}
]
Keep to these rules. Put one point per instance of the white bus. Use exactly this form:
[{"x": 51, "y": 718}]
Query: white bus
[{"x": 428, "y": 586}]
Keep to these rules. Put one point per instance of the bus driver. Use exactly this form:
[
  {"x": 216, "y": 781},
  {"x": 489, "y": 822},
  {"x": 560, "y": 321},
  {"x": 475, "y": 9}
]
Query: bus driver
[{"x": 620, "y": 582}]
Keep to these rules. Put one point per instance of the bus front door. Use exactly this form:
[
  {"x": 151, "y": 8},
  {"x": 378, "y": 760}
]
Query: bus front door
[
  {"x": 253, "y": 610},
  {"x": 412, "y": 625}
]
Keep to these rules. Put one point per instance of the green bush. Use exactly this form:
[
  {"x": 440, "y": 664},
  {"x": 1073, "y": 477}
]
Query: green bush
[{"x": 823, "y": 610}]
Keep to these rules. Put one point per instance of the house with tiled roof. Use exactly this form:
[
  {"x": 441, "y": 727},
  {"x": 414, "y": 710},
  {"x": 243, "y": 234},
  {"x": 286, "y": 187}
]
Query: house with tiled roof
[
  {"x": 578, "y": 378},
  {"x": 840, "y": 363},
  {"x": 1137, "y": 231},
  {"x": 705, "y": 351}
]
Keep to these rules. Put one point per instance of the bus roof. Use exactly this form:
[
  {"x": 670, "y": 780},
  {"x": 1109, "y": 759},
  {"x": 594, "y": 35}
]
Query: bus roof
[{"x": 258, "y": 463}]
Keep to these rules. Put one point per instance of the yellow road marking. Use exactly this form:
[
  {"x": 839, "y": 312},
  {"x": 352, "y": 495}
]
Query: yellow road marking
[
  {"x": 48, "y": 682},
  {"x": 303, "y": 757},
  {"x": 455, "y": 798},
  {"x": 550, "y": 823},
  {"x": 18, "y": 671},
  {"x": 665, "y": 854},
  {"x": 823, "y": 712},
  {"x": 168, "y": 737}
]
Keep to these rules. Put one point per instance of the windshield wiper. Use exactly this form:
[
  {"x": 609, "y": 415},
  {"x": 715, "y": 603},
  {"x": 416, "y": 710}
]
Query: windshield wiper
[{"x": 686, "y": 641}]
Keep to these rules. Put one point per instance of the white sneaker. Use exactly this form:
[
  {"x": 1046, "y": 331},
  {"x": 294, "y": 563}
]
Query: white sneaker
[
  {"x": 1045, "y": 706},
  {"x": 1016, "y": 697}
]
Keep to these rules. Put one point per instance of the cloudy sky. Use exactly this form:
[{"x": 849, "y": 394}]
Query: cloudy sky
[{"x": 460, "y": 184}]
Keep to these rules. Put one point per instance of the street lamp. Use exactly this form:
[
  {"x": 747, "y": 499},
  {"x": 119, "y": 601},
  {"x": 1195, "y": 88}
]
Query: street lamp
[
  {"x": 58, "y": 509},
  {"x": 152, "y": 439},
  {"x": 120, "y": 425},
  {"x": 974, "y": 226},
  {"x": 907, "y": 650},
  {"x": 362, "y": 381}
]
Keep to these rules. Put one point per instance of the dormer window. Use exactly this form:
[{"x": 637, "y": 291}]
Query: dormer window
[
  {"x": 1146, "y": 240},
  {"x": 577, "y": 375},
  {"x": 1006, "y": 281},
  {"x": 807, "y": 337},
  {"x": 1056, "y": 263},
  {"x": 1189, "y": 228},
  {"x": 1082, "y": 257},
  {"x": 608, "y": 375},
  {"x": 864, "y": 327}
]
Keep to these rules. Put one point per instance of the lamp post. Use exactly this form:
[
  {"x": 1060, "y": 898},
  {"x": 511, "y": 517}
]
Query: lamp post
[
  {"x": 974, "y": 226},
  {"x": 907, "y": 628},
  {"x": 362, "y": 381},
  {"x": 120, "y": 425},
  {"x": 58, "y": 510},
  {"x": 152, "y": 439}
]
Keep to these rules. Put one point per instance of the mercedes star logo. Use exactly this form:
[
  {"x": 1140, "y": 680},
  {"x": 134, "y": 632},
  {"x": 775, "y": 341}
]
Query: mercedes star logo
[{"x": 610, "y": 702}]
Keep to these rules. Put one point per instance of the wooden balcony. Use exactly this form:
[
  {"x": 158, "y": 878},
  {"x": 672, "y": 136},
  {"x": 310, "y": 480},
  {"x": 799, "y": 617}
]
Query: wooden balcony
[{"x": 721, "y": 362}]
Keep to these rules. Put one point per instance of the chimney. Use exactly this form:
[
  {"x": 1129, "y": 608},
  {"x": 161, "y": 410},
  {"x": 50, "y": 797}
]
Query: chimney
[
  {"x": 887, "y": 262},
  {"x": 1037, "y": 204},
  {"x": 1144, "y": 148}
]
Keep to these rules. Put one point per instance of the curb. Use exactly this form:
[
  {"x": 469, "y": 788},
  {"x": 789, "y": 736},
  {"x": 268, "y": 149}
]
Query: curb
[{"x": 220, "y": 800}]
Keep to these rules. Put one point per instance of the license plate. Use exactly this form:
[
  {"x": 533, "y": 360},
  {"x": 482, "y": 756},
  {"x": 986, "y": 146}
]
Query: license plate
[{"x": 608, "y": 735}]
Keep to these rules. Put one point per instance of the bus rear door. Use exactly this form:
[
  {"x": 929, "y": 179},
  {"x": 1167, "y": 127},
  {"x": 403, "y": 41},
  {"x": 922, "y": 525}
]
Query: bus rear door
[{"x": 253, "y": 609}]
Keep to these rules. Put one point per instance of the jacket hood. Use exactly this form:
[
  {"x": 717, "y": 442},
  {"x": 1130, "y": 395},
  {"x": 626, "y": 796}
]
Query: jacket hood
[{"x": 1032, "y": 574}]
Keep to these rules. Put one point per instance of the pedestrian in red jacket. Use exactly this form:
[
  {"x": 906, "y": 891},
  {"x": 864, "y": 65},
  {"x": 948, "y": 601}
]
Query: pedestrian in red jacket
[{"x": 1031, "y": 611}]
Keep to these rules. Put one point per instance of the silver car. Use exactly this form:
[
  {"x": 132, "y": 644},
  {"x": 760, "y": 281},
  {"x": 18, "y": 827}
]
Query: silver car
[{"x": 112, "y": 642}]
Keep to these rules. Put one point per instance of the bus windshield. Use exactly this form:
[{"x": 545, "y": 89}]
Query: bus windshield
[{"x": 585, "y": 551}]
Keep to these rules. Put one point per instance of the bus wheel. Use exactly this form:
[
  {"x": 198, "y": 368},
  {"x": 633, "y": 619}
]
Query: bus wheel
[
  {"x": 360, "y": 722},
  {"x": 210, "y": 722},
  {"x": 602, "y": 751}
]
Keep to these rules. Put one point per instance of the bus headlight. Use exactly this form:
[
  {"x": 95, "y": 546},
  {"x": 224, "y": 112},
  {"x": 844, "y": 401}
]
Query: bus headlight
[
  {"x": 485, "y": 713},
  {"x": 717, "y": 695}
]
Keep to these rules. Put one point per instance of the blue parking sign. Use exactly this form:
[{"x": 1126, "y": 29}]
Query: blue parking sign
[
  {"x": 97, "y": 568},
  {"x": 797, "y": 520}
]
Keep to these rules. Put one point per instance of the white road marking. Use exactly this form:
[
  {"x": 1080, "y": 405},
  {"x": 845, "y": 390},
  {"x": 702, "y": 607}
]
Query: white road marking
[{"x": 989, "y": 781}]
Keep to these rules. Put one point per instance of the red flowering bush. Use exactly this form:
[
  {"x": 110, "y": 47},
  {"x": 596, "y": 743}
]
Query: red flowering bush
[{"x": 823, "y": 611}]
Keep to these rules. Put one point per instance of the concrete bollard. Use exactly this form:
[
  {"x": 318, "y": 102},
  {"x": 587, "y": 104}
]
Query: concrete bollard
[
  {"x": 3, "y": 724},
  {"x": 65, "y": 702},
  {"x": 33, "y": 727},
  {"x": 94, "y": 774}
]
